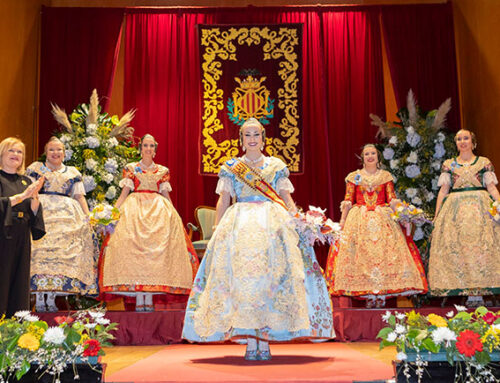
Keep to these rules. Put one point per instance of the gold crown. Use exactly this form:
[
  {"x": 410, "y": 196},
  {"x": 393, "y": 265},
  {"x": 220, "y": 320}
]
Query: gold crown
[{"x": 250, "y": 82}]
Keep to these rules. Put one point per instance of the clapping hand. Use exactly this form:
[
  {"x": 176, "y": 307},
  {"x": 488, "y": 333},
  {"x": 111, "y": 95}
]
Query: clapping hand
[{"x": 34, "y": 188}]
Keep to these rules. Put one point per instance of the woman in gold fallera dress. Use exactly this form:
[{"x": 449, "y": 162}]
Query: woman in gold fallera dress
[
  {"x": 149, "y": 251},
  {"x": 64, "y": 262},
  {"x": 374, "y": 259},
  {"x": 465, "y": 248}
]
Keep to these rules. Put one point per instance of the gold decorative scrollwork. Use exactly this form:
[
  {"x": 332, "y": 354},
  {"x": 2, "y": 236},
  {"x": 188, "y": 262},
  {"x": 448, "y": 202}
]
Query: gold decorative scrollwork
[{"x": 221, "y": 45}]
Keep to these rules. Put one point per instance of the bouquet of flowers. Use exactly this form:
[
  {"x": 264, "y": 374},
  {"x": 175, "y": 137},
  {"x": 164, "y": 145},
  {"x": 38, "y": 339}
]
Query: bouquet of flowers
[
  {"x": 25, "y": 340},
  {"x": 495, "y": 211},
  {"x": 104, "y": 217},
  {"x": 464, "y": 337},
  {"x": 99, "y": 146},
  {"x": 313, "y": 226},
  {"x": 414, "y": 149},
  {"x": 407, "y": 214}
]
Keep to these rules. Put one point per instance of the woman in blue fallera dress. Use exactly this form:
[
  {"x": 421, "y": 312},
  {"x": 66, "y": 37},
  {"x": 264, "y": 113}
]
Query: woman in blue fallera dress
[{"x": 258, "y": 281}]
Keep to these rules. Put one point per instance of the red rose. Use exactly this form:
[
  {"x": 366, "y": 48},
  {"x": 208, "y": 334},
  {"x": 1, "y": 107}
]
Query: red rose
[
  {"x": 468, "y": 342},
  {"x": 92, "y": 347},
  {"x": 63, "y": 319}
]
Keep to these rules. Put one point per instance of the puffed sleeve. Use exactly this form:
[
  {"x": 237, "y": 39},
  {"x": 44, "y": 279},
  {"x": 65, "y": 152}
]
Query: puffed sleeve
[
  {"x": 489, "y": 176},
  {"x": 31, "y": 172},
  {"x": 78, "y": 187},
  {"x": 225, "y": 183},
  {"x": 283, "y": 183},
  {"x": 164, "y": 183},
  {"x": 128, "y": 178},
  {"x": 445, "y": 177}
]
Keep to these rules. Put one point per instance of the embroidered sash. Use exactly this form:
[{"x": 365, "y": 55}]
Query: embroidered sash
[{"x": 254, "y": 180}]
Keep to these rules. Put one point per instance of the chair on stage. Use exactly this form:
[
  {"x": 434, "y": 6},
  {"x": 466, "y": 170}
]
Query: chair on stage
[{"x": 205, "y": 220}]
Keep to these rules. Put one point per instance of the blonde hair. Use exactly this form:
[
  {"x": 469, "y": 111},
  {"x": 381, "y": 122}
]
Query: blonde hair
[
  {"x": 472, "y": 137},
  {"x": 53, "y": 139},
  {"x": 253, "y": 122},
  {"x": 7, "y": 144}
]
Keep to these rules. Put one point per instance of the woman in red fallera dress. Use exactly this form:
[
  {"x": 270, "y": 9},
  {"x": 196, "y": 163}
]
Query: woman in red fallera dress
[{"x": 374, "y": 259}]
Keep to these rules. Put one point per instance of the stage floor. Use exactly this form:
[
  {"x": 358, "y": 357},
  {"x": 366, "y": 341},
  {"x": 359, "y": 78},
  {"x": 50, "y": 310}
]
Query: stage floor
[{"x": 293, "y": 362}]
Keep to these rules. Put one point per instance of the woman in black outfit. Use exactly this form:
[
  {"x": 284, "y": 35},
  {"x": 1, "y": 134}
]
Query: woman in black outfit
[{"x": 20, "y": 214}]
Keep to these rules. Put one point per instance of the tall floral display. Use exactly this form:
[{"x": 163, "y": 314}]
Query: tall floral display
[
  {"x": 99, "y": 146},
  {"x": 413, "y": 150}
]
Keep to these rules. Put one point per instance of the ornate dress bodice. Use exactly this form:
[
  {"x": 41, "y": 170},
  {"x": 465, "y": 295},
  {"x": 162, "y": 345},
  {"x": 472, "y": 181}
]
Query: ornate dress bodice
[
  {"x": 274, "y": 172},
  {"x": 146, "y": 180},
  {"x": 466, "y": 176},
  {"x": 60, "y": 182},
  {"x": 369, "y": 190}
]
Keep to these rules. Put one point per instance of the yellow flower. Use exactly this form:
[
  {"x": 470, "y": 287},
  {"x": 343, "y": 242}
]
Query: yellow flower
[
  {"x": 100, "y": 197},
  {"x": 29, "y": 341},
  {"x": 103, "y": 131},
  {"x": 115, "y": 120},
  {"x": 36, "y": 330},
  {"x": 74, "y": 116},
  {"x": 437, "y": 320},
  {"x": 491, "y": 338},
  {"x": 83, "y": 338},
  {"x": 88, "y": 153},
  {"x": 413, "y": 318}
]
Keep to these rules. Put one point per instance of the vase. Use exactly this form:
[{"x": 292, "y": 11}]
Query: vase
[{"x": 438, "y": 369}]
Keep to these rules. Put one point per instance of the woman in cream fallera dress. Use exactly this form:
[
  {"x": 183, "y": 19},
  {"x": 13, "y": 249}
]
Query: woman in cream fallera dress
[
  {"x": 64, "y": 261},
  {"x": 258, "y": 281},
  {"x": 465, "y": 247},
  {"x": 374, "y": 259},
  {"x": 149, "y": 251}
]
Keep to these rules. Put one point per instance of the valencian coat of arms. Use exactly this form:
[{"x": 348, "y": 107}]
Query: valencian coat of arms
[{"x": 250, "y": 99}]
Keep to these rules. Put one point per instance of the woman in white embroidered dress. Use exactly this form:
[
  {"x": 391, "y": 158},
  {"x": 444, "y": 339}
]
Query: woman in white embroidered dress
[
  {"x": 149, "y": 251},
  {"x": 465, "y": 251},
  {"x": 64, "y": 261},
  {"x": 258, "y": 282}
]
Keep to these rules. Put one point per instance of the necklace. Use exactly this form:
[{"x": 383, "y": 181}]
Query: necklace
[{"x": 253, "y": 162}]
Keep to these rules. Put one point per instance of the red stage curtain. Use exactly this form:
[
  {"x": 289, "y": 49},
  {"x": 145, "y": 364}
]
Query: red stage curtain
[
  {"x": 355, "y": 88},
  {"x": 420, "y": 45},
  {"x": 79, "y": 50},
  {"x": 161, "y": 80}
]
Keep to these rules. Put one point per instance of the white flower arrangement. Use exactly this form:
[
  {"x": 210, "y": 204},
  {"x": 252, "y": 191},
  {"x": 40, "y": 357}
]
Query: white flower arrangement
[
  {"x": 313, "y": 226},
  {"x": 418, "y": 146},
  {"x": 99, "y": 146}
]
